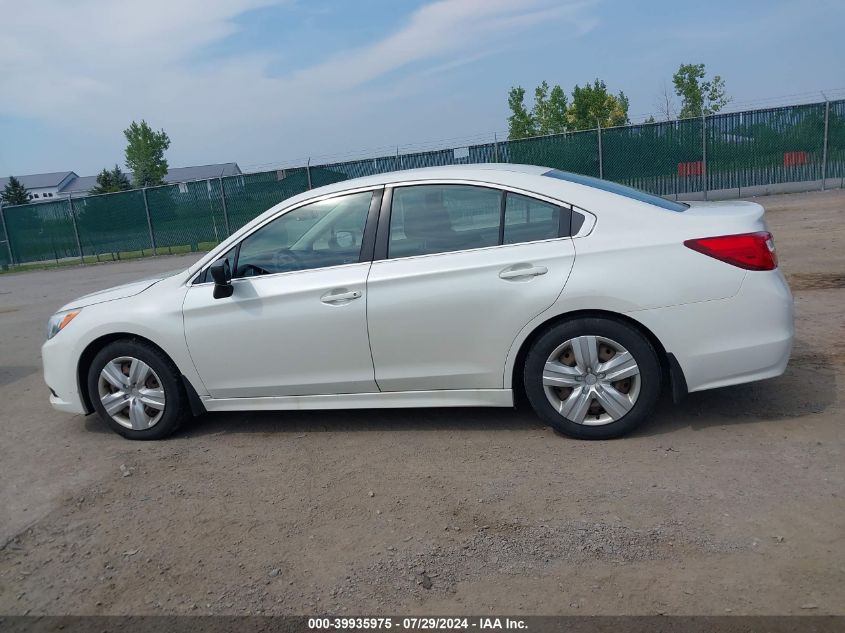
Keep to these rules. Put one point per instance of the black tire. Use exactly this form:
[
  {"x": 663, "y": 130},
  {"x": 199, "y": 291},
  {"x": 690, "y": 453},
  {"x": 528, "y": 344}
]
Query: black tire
[
  {"x": 628, "y": 337},
  {"x": 176, "y": 405}
]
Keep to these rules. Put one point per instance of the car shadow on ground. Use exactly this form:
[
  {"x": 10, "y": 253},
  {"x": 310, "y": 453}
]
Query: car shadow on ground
[{"x": 807, "y": 387}]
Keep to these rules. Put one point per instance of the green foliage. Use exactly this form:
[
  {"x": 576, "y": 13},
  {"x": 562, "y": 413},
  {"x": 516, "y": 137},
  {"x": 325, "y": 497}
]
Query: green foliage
[
  {"x": 549, "y": 113},
  {"x": 145, "y": 154},
  {"x": 520, "y": 122},
  {"x": 14, "y": 192},
  {"x": 593, "y": 105},
  {"x": 552, "y": 113},
  {"x": 699, "y": 96},
  {"x": 110, "y": 181}
]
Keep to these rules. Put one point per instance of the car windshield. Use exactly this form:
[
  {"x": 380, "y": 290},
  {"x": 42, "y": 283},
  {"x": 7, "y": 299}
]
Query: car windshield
[{"x": 621, "y": 190}]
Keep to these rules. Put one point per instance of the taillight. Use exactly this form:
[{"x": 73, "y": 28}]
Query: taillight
[{"x": 752, "y": 251}]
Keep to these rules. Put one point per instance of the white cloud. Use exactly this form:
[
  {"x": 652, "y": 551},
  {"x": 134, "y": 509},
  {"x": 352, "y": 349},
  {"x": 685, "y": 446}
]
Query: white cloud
[{"x": 98, "y": 64}]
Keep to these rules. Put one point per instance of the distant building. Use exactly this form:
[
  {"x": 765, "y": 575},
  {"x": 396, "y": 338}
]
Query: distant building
[
  {"x": 62, "y": 183},
  {"x": 44, "y": 186}
]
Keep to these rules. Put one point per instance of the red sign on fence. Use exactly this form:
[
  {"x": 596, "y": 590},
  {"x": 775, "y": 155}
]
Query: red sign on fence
[
  {"x": 694, "y": 168},
  {"x": 795, "y": 158}
]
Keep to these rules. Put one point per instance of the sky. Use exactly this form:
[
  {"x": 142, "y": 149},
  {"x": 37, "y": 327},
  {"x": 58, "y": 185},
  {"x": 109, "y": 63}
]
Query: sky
[{"x": 268, "y": 83}]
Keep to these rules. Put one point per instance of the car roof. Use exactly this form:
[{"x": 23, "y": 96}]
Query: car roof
[
  {"x": 521, "y": 177},
  {"x": 488, "y": 172}
]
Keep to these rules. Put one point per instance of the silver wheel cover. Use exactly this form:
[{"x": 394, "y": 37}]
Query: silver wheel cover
[
  {"x": 131, "y": 393},
  {"x": 591, "y": 380}
]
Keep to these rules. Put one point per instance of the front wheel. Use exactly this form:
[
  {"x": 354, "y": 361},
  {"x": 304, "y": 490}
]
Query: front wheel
[
  {"x": 592, "y": 378},
  {"x": 137, "y": 390}
]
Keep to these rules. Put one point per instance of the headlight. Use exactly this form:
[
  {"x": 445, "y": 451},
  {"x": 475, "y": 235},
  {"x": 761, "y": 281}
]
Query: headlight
[{"x": 58, "y": 322}]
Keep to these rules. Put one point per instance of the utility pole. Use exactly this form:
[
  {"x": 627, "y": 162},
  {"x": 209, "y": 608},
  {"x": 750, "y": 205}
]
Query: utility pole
[
  {"x": 225, "y": 208},
  {"x": 704, "y": 153},
  {"x": 601, "y": 161},
  {"x": 824, "y": 147},
  {"x": 149, "y": 221},
  {"x": 75, "y": 228},
  {"x": 6, "y": 233}
]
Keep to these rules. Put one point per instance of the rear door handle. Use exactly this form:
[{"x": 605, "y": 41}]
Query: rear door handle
[
  {"x": 528, "y": 271},
  {"x": 340, "y": 297}
]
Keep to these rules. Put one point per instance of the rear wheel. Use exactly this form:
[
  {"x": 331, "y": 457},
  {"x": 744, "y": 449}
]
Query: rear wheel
[
  {"x": 592, "y": 378},
  {"x": 137, "y": 390}
]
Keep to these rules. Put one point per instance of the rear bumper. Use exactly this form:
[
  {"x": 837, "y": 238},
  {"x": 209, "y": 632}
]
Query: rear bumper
[{"x": 744, "y": 338}]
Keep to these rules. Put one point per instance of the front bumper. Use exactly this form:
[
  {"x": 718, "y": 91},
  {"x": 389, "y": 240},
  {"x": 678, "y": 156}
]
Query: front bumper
[{"x": 60, "y": 369}]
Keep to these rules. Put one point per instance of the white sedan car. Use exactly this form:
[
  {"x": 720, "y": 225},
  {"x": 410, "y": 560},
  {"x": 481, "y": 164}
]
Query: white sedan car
[{"x": 446, "y": 286}]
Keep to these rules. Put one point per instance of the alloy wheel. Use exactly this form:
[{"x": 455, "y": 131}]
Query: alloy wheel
[
  {"x": 591, "y": 380},
  {"x": 131, "y": 393}
]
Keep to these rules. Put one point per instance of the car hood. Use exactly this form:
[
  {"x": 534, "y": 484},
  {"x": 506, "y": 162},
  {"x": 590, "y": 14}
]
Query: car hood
[{"x": 110, "y": 294}]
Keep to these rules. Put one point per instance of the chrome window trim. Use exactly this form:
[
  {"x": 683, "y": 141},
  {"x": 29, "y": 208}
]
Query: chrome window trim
[
  {"x": 469, "y": 250},
  {"x": 589, "y": 217}
]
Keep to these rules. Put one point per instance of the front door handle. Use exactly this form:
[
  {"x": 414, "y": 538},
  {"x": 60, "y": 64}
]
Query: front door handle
[
  {"x": 518, "y": 273},
  {"x": 340, "y": 297}
]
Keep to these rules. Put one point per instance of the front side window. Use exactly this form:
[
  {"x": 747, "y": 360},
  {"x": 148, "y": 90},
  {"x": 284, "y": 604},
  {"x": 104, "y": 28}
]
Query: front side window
[
  {"x": 317, "y": 235},
  {"x": 427, "y": 219}
]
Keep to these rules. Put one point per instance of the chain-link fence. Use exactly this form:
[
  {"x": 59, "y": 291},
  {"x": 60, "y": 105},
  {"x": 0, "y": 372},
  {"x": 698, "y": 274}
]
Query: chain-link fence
[{"x": 733, "y": 151}]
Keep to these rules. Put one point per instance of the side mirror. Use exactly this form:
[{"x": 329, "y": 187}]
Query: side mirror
[{"x": 221, "y": 272}]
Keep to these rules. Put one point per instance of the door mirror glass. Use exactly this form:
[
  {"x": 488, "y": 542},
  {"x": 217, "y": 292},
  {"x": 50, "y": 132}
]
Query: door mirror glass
[{"x": 221, "y": 273}]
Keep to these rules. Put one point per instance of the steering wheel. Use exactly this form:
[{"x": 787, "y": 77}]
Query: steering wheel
[{"x": 285, "y": 261}]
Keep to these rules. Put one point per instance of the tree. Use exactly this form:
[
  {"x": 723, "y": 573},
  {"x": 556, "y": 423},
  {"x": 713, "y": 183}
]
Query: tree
[
  {"x": 145, "y": 154},
  {"x": 593, "y": 105},
  {"x": 520, "y": 122},
  {"x": 109, "y": 181},
  {"x": 699, "y": 96},
  {"x": 14, "y": 192},
  {"x": 665, "y": 104},
  {"x": 549, "y": 113}
]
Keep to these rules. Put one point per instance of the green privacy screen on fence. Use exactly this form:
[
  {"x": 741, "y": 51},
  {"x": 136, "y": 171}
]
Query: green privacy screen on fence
[{"x": 730, "y": 151}]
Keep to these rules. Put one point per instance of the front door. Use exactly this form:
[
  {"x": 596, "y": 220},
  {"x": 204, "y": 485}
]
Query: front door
[{"x": 296, "y": 321}]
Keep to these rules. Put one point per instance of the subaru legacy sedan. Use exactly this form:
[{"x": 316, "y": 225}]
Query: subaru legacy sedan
[{"x": 460, "y": 286}]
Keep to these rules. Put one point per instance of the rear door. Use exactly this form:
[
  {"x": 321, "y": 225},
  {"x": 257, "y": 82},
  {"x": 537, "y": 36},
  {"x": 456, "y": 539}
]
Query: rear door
[{"x": 460, "y": 270}]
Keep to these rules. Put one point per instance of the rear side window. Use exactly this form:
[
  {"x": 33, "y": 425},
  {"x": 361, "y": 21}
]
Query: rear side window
[
  {"x": 427, "y": 219},
  {"x": 529, "y": 220},
  {"x": 621, "y": 190}
]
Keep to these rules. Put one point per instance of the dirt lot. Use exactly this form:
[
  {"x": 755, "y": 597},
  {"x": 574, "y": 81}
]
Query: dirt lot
[{"x": 729, "y": 503}]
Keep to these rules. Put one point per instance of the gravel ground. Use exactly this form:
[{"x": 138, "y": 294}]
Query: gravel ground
[{"x": 731, "y": 502}]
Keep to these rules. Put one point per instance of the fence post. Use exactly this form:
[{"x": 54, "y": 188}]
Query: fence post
[
  {"x": 308, "y": 172},
  {"x": 75, "y": 228},
  {"x": 601, "y": 161},
  {"x": 6, "y": 233},
  {"x": 495, "y": 148},
  {"x": 149, "y": 221},
  {"x": 225, "y": 208},
  {"x": 824, "y": 147},
  {"x": 704, "y": 153}
]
